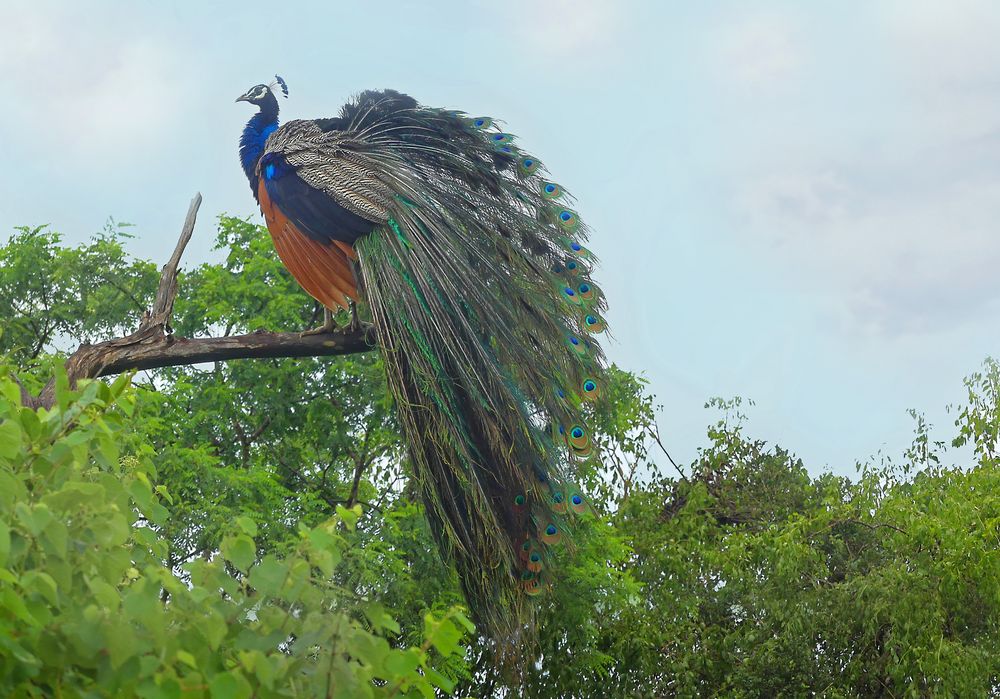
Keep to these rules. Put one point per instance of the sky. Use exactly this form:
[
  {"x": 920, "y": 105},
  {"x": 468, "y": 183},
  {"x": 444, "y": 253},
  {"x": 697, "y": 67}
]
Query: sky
[{"x": 795, "y": 203}]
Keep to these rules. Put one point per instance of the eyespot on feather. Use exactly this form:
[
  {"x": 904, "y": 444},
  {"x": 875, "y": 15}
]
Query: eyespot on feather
[
  {"x": 571, "y": 295},
  {"x": 550, "y": 190},
  {"x": 576, "y": 346},
  {"x": 528, "y": 165},
  {"x": 558, "y": 502},
  {"x": 577, "y": 503},
  {"x": 578, "y": 438},
  {"x": 587, "y": 291},
  {"x": 593, "y": 324},
  {"x": 479, "y": 122},
  {"x": 533, "y": 588},
  {"x": 520, "y": 503},
  {"x": 576, "y": 249},
  {"x": 574, "y": 267},
  {"x": 566, "y": 219},
  {"x": 591, "y": 390},
  {"x": 535, "y": 561},
  {"x": 551, "y": 535}
]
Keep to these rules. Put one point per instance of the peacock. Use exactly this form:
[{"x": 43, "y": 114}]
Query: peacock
[{"x": 471, "y": 263}]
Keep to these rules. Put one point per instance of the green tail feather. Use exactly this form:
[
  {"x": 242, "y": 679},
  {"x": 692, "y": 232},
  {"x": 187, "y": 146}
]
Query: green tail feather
[{"x": 484, "y": 311}]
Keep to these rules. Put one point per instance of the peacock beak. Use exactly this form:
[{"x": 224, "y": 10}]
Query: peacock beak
[{"x": 242, "y": 98}]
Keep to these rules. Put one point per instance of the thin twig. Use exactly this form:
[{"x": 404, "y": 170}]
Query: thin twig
[{"x": 654, "y": 430}]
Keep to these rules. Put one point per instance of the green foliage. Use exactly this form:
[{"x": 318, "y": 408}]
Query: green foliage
[
  {"x": 90, "y": 609},
  {"x": 248, "y": 528},
  {"x": 49, "y": 292}
]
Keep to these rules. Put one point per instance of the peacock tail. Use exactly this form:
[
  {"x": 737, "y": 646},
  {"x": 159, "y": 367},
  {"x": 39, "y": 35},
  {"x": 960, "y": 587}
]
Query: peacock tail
[{"x": 472, "y": 263}]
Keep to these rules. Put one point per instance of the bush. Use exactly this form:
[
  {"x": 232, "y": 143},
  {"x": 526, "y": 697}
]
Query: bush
[{"x": 88, "y": 607}]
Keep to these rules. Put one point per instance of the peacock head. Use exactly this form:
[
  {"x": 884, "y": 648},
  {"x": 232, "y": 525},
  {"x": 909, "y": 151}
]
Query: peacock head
[{"x": 263, "y": 95}]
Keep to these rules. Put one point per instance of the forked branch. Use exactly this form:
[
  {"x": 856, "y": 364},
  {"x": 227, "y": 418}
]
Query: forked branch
[{"x": 153, "y": 345}]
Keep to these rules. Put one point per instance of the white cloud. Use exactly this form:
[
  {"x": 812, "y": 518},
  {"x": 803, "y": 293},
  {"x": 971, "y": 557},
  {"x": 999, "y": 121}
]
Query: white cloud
[
  {"x": 946, "y": 58},
  {"x": 759, "y": 51},
  {"x": 884, "y": 196},
  {"x": 91, "y": 89},
  {"x": 567, "y": 27},
  {"x": 903, "y": 256}
]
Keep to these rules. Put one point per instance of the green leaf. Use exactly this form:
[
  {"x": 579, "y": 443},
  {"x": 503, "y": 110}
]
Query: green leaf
[
  {"x": 230, "y": 685},
  {"x": 10, "y": 439},
  {"x": 18, "y": 652},
  {"x": 113, "y": 531},
  {"x": 442, "y": 634},
  {"x": 142, "y": 494},
  {"x": 31, "y": 424},
  {"x": 12, "y": 602},
  {"x": 41, "y": 582},
  {"x": 350, "y": 517},
  {"x": 239, "y": 550},
  {"x": 439, "y": 680},
  {"x": 264, "y": 669},
  {"x": 187, "y": 659},
  {"x": 104, "y": 593},
  {"x": 120, "y": 640},
  {"x": 464, "y": 620},
  {"x": 8, "y": 389},
  {"x": 4, "y": 543},
  {"x": 401, "y": 663},
  {"x": 213, "y": 627},
  {"x": 268, "y": 576},
  {"x": 167, "y": 688},
  {"x": 324, "y": 560},
  {"x": 247, "y": 525},
  {"x": 142, "y": 602}
]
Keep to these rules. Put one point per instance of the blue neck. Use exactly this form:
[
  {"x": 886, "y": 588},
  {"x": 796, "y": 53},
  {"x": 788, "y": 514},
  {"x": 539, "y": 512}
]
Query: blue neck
[{"x": 252, "y": 142}]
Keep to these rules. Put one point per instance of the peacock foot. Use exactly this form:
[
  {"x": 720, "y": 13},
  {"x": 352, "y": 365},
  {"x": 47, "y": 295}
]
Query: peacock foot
[
  {"x": 328, "y": 325},
  {"x": 355, "y": 325}
]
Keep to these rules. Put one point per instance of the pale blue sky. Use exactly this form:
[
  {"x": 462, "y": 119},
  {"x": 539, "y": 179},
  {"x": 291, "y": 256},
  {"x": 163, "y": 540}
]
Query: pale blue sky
[{"x": 793, "y": 202}]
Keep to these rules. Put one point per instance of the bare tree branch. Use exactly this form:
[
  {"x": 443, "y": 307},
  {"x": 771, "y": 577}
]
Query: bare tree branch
[
  {"x": 163, "y": 304},
  {"x": 117, "y": 356},
  {"x": 152, "y": 346}
]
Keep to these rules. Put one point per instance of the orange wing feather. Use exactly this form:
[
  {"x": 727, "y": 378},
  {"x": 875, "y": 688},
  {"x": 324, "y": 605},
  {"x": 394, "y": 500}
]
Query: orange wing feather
[{"x": 324, "y": 271}]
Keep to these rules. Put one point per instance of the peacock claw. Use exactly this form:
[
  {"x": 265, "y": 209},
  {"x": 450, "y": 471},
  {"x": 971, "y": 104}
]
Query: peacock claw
[{"x": 327, "y": 327}]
